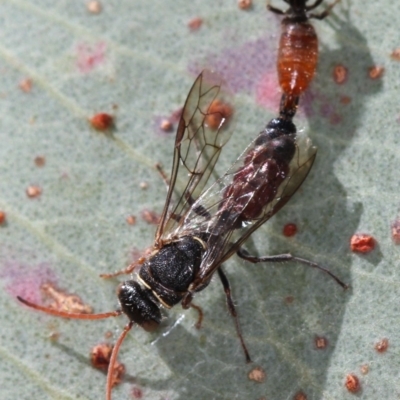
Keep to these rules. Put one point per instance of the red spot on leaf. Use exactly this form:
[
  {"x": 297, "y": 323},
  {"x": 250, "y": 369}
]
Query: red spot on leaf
[
  {"x": 289, "y": 230},
  {"x": 89, "y": 57},
  {"x": 362, "y": 243},
  {"x": 102, "y": 121},
  {"x": 352, "y": 383}
]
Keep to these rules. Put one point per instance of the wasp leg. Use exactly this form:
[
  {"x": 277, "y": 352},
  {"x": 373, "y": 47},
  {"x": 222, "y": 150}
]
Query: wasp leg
[
  {"x": 161, "y": 171},
  {"x": 274, "y": 9},
  {"x": 200, "y": 317},
  {"x": 232, "y": 310},
  {"x": 315, "y": 5},
  {"x": 288, "y": 257},
  {"x": 325, "y": 13},
  {"x": 125, "y": 271}
]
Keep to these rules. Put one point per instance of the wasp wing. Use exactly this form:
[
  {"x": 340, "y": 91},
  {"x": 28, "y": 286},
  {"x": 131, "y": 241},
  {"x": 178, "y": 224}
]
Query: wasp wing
[
  {"x": 236, "y": 214},
  {"x": 204, "y": 128}
]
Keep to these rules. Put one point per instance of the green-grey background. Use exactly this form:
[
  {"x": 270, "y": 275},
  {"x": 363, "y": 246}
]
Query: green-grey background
[{"x": 91, "y": 183}]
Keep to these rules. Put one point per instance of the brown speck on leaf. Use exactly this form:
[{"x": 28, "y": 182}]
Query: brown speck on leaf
[
  {"x": 102, "y": 121},
  {"x": 340, "y": 74},
  {"x": 33, "y": 191},
  {"x": 364, "y": 369},
  {"x": 108, "y": 335},
  {"x": 54, "y": 336},
  {"x": 396, "y": 231},
  {"x": 345, "y": 100},
  {"x": 62, "y": 301},
  {"x": 100, "y": 357},
  {"x": 3, "y": 217},
  {"x": 137, "y": 393},
  {"x": 131, "y": 220},
  {"x": 245, "y": 4},
  {"x": 362, "y": 243},
  {"x": 289, "y": 300},
  {"x": 150, "y": 217},
  {"x": 40, "y": 161},
  {"x": 352, "y": 383},
  {"x": 166, "y": 125},
  {"x": 382, "y": 345},
  {"x": 195, "y": 23},
  {"x": 300, "y": 396},
  {"x": 257, "y": 374},
  {"x": 25, "y": 85},
  {"x": 320, "y": 342},
  {"x": 94, "y": 7},
  {"x": 376, "y": 72},
  {"x": 395, "y": 55}
]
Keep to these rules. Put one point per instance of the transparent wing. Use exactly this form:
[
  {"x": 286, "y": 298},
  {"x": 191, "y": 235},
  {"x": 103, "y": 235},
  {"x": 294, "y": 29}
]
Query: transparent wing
[
  {"x": 205, "y": 126},
  {"x": 257, "y": 186}
]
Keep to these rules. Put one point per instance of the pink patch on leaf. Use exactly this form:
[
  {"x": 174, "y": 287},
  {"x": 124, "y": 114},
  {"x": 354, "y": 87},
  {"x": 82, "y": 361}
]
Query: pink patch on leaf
[
  {"x": 268, "y": 93},
  {"x": 24, "y": 280},
  {"x": 89, "y": 57},
  {"x": 242, "y": 67}
]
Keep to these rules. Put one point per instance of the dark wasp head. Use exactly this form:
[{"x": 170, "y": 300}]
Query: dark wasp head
[{"x": 139, "y": 305}]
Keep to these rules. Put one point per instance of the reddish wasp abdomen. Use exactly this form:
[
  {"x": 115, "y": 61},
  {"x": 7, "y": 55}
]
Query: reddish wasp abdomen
[
  {"x": 265, "y": 167},
  {"x": 297, "y": 58}
]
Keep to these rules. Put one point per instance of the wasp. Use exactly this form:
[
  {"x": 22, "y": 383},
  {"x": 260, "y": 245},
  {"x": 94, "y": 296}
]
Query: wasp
[
  {"x": 298, "y": 50},
  {"x": 201, "y": 228}
]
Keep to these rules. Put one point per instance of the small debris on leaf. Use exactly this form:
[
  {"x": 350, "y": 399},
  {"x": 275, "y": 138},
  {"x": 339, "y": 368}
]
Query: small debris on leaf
[
  {"x": 195, "y": 23},
  {"x": 94, "y": 7},
  {"x": 352, "y": 383},
  {"x": 376, "y": 72},
  {"x": 245, "y": 4},
  {"x": 102, "y": 121},
  {"x": 257, "y": 374},
  {"x": 382, "y": 345},
  {"x": 33, "y": 191},
  {"x": 63, "y": 301},
  {"x": 340, "y": 74},
  {"x": 362, "y": 243}
]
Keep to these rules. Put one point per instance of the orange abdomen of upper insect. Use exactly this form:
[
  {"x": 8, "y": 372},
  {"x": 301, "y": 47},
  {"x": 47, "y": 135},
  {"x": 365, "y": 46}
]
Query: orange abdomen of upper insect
[{"x": 297, "y": 57}]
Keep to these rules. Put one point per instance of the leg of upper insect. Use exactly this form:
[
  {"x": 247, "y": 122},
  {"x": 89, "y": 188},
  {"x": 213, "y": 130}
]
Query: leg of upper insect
[
  {"x": 274, "y": 9},
  {"x": 315, "y": 5},
  {"x": 232, "y": 310},
  {"x": 325, "y": 13},
  {"x": 288, "y": 257}
]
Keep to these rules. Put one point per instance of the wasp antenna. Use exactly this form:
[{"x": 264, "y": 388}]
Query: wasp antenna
[
  {"x": 113, "y": 359},
  {"x": 66, "y": 314}
]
